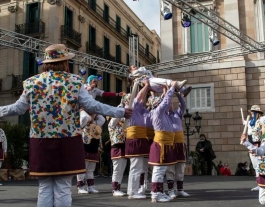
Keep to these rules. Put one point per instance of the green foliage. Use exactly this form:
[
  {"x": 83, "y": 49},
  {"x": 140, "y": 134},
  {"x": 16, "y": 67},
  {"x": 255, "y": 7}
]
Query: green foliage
[
  {"x": 196, "y": 165},
  {"x": 17, "y": 145}
]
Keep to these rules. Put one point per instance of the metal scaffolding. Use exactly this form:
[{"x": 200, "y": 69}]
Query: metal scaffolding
[
  {"x": 133, "y": 50},
  {"x": 37, "y": 46},
  {"x": 209, "y": 17}
]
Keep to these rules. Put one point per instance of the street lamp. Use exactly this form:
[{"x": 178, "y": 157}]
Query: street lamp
[{"x": 197, "y": 119}]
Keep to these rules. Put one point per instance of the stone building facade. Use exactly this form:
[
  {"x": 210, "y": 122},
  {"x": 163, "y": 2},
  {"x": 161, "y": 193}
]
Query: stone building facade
[
  {"x": 97, "y": 27},
  {"x": 222, "y": 87}
]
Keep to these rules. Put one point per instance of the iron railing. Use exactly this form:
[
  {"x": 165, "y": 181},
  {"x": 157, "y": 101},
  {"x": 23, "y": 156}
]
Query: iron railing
[
  {"x": 93, "y": 49},
  {"x": 100, "y": 12},
  {"x": 71, "y": 35},
  {"x": 32, "y": 28}
]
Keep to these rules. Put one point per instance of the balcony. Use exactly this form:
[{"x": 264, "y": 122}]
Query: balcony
[
  {"x": 94, "y": 49},
  {"x": 70, "y": 35},
  {"x": 17, "y": 85},
  {"x": 32, "y": 29},
  {"x": 151, "y": 58}
]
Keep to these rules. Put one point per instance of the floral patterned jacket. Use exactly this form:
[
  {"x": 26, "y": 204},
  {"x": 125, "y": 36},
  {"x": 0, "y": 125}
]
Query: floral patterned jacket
[
  {"x": 116, "y": 131},
  {"x": 54, "y": 108}
]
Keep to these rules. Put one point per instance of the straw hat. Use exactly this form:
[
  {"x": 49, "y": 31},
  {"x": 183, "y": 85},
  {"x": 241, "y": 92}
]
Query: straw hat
[
  {"x": 56, "y": 53},
  {"x": 95, "y": 131},
  {"x": 255, "y": 108}
]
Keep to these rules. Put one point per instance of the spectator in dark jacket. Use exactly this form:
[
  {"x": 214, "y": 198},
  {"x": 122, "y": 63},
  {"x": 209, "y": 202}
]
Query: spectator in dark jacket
[
  {"x": 204, "y": 148},
  {"x": 241, "y": 170}
]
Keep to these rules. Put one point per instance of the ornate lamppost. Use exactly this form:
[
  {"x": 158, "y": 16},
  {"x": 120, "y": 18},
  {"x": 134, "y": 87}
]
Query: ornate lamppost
[{"x": 197, "y": 119}]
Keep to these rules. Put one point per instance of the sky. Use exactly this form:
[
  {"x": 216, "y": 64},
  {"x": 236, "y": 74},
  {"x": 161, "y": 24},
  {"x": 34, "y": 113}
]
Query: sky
[{"x": 148, "y": 11}]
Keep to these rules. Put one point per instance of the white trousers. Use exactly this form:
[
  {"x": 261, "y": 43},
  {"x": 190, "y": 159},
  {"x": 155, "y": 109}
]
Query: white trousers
[
  {"x": 254, "y": 161},
  {"x": 136, "y": 167},
  {"x": 176, "y": 172},
  {"x": 90, "y": 168},
  {"x": 158, "y": 174},
  {"x": 119, "y": 166},
  {"x": 55, "y": 191},
  {"x": 156, "y": 83},
  {"x": 262, "y": 196},
  {"x": 145, "y": 168}
]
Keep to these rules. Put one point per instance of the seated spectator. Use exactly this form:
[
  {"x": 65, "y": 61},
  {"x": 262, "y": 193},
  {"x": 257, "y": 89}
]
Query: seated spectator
[
  {"x": 224, "y": 170},
  {"x": 220, "y": 164},
  {"x": 241, "y": 170},
  {"x": 246, "y": 166}
]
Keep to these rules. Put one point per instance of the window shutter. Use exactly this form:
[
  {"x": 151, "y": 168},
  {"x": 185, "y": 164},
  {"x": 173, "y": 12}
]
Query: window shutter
[
  {"x": 26, "y": 63},
  {"x": 118, "y": 53}
]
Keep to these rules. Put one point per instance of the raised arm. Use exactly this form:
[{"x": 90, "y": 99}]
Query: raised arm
[
  {"x": 165, "y": 104},
  {"x": 93, "y": 106},
  {"x": 182, "y": 106},
  {"x": 142, "y": 93},
  {"x": 17, "y": 108}
]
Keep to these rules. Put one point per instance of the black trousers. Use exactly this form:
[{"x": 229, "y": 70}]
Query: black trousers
[{"x": 206, "y": 166}]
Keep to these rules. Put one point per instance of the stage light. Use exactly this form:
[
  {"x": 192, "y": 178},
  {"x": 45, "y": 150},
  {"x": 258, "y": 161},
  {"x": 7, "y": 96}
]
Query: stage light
[
  {"x": 213, "y": 38},
  {"x": 82, "y": 71},
  {"x": 100, "y": 77},
  {"x": 39, "y": 61},
  {"x": 165, "y": 11},
  {"x": 185, "y": 20}
]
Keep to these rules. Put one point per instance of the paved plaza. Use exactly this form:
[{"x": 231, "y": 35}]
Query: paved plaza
[{"x": 206, "y": 191}]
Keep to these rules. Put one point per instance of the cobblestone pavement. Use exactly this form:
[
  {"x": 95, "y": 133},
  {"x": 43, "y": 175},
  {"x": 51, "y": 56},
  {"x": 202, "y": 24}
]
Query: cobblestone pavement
[{"x": 205, "y": 191}]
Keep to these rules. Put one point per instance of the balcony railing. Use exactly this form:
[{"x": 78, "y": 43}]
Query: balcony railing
[
  {"x": 34, "y": 28},
  {"x": 17, "y": 82},
  {"x": 151, "y": 58},
  {"x": 94, "y": 49},
  {"x": 100, "y": 12},
  {"x": 71, "y": 35}
]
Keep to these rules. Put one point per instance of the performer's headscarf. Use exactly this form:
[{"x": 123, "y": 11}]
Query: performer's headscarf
[
  {"x": 254, "y": 119},
  {"x": 90, "y": 78},
  {"x": 153, "y": 102}
]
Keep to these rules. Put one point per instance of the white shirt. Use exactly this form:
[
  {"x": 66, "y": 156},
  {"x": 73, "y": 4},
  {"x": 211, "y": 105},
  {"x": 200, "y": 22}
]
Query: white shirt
[{"x": 85, "y": 100}]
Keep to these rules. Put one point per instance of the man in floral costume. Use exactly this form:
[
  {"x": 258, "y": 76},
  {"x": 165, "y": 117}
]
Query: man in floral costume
[
  {"x": 3, "y": 147},
  {"x": 53, "y": 98},
  {"x": 117, "y": 138},
  {"x": 255, "y": 136},
  {"x": 91, "y": 145},
  {"x": 260, "y": 153}
]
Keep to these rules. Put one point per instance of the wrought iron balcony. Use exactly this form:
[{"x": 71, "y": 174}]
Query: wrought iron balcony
[
  {"x": 151, "y": 58},
  {"x": 71, "y": 35},
  {"x": 17, "y": 84},
  {"x": 94, "y": 49},
  {"x": 33, "y": 28}
]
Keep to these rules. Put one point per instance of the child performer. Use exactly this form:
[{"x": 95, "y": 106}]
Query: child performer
[{"x": 141, "y": 74}]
